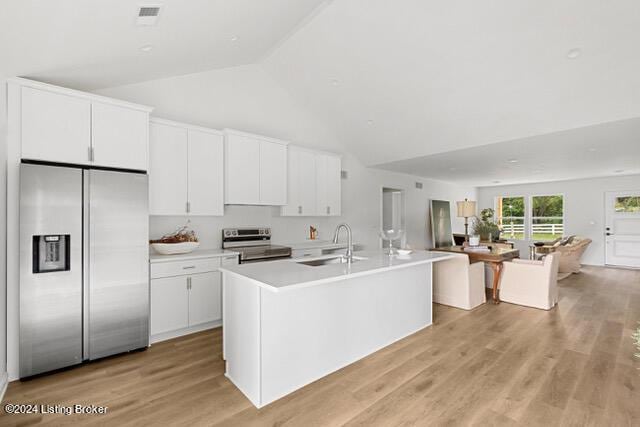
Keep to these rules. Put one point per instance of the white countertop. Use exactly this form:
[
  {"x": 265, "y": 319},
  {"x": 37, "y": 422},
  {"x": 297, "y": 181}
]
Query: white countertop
[
  {"x": 289, "y": 274},
  {"x": 197, "y": 254}
]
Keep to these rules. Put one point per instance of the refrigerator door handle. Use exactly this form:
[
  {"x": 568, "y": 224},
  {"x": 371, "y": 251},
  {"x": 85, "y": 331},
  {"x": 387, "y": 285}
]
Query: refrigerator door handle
[{"x": 85, "y": 265}]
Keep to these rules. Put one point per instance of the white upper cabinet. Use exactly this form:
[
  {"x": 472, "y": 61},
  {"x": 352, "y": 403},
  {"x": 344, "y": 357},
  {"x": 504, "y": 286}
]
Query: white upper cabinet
[
  {"x": 55, "y": 127},
  {"x": 67, "y": 126},
  {"x": 301, "y": 195},
  {"x": 322, "y": 198},
  {"x": 119, "y": 136},
  {"x": 185, "y": 169},
  {"x": 206, "y": 173},
  {"x": 255, "y": 169},
  {"x": 168, "y": 154},
  {"x": 273, "y": 173},
  {"x": 333, "y": 186},
  {"x": 314, "y": 183},
  {"x": 242, "y": 169}
]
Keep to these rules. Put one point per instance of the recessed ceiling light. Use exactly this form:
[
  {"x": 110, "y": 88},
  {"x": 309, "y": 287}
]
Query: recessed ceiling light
[
  {"x": 513, "y": 160},
  {"x": 618, "y": 171},
  {"x": 574, "y": 53},
  {"x": 234, "y": 38},
  {"x": 147, "y": 48}
]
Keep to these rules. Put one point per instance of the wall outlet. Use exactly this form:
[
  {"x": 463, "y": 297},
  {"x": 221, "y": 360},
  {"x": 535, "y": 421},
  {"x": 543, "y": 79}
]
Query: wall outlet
[{"x": 419, "y": 185}]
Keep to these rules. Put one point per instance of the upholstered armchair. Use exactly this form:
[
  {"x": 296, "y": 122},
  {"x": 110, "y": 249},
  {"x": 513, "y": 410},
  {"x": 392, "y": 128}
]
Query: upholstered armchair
[
  {"x": 571, "y": 253},
  {"x": 458, "y": 283},
  {"x": 531, "y": 283}
]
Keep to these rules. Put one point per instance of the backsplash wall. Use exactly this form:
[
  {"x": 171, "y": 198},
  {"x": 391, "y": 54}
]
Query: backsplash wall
[{"x": 208, "y": 228}]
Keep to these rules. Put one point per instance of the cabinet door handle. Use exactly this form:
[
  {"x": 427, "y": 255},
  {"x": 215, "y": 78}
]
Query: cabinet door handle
[
  {"x": 188, "y": 283},
  {"x": 328, "y": 210},
  {"x": 189, "y": 267},
  {"x": 188, "y": 207},
  {"x": 90, "y": 153},
  {"x": 299, "y": 209}
]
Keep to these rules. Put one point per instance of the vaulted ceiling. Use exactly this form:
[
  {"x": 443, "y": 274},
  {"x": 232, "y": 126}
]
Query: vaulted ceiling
[
  {"x": 410, "y": 78},
  {"x": 399, "y": 82},
  {"x": 89, "y": 44}
]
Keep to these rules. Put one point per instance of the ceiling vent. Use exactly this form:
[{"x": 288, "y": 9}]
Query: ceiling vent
[{"x": 148, "y": 14}]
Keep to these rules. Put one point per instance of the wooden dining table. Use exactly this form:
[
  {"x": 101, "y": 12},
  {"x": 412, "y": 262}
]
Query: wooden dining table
[{"x": 495, "y": 257}]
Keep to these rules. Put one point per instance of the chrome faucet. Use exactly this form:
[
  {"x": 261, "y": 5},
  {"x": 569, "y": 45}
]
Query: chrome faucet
[{"x": 349, "y": 254}]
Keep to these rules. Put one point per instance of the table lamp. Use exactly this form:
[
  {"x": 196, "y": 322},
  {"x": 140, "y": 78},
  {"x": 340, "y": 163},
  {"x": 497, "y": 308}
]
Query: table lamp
[{"x": 466, "y": 209}]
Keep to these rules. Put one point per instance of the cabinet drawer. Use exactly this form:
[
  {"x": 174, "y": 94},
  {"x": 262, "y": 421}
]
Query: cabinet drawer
[{"x": 179, "y": 268}]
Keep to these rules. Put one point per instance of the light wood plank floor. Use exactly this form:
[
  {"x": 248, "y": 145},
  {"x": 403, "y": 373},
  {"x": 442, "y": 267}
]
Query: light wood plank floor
[{"x": 496, "y": 365}]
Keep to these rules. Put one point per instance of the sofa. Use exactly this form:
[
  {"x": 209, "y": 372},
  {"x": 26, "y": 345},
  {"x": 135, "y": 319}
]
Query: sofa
[{"x": 570, "y": 252}]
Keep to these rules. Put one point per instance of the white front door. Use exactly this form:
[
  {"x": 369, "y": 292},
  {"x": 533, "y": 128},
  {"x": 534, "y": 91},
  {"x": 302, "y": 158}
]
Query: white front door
[{"x": 622, "y": 228}]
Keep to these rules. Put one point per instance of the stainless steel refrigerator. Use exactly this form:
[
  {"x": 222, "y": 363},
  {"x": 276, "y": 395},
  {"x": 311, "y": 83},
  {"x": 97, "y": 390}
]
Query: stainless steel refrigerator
[{"x": 84, "y": 288}]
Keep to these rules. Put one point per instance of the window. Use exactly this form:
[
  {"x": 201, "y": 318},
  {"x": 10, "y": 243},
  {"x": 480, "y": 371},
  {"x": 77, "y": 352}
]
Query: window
[
  {"x": 547, "y": 217},
  {"x": 510, "y": 217},
  {"x": 627, "y": 204}
]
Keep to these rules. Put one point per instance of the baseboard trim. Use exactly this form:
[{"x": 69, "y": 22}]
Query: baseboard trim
[
  {"x": 184, "y": 331},
  {"x": 4, "y": 382},
  {"x": 622, "y": 267}
]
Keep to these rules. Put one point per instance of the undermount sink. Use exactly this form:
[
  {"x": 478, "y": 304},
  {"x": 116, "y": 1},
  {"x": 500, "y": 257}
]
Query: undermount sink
[{"x": 333, "y": 260}]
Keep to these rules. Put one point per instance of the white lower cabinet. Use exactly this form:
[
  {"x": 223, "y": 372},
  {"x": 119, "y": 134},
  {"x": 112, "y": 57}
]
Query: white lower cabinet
[
  {"x": 169, "y": 304},
  {"x": 205, "y": 295},
  {"x": 186, "y": 296}
]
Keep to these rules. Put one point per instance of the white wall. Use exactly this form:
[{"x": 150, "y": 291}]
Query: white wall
[
  {"x": 3, "y": 235},
  {"x": 247, "y": 98},
  {"x": 583, "y": 206}
]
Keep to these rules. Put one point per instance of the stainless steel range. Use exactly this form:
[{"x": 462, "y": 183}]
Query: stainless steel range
[{"x": 253, "y": 244}]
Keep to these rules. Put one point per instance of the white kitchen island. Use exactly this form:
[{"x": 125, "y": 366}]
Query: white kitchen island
[{"x": 288, "y": 323}]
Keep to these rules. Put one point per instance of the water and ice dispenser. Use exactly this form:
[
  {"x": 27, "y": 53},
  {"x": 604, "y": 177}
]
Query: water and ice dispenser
[{"x": 51, "y": 253}]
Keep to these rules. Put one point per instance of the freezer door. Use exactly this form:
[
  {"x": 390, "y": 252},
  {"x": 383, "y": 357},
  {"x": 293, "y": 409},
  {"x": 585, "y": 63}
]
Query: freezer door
[
  {"x": 118, "y": 277},
  {"x": 50, "y": 268}
]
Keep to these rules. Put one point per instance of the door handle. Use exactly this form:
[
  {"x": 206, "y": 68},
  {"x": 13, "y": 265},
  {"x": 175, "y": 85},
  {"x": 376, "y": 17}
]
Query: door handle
[{"x": 609, "y": 234}]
